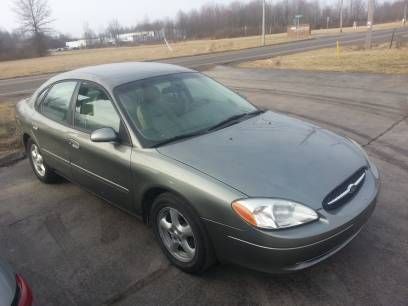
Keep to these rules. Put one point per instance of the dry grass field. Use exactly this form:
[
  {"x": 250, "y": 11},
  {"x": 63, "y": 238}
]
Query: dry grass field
[
  {"x": 9, "y": 134},
  {"x": 381, "y": 26},
  {"x": 62, "y": 61},
  {"x": 66, "y": 60},
  {"x": 380, "y": 59}
]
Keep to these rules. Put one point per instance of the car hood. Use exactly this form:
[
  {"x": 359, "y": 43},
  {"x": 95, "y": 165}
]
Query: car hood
[
  {"x": 273, "y": 155},
  {"x": 7, "y": 284}
]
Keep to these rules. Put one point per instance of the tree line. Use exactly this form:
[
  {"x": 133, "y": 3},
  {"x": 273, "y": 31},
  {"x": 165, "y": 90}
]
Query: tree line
[
  {"x": 35, "y": 35},
  {"x": 240, "y": 19}
]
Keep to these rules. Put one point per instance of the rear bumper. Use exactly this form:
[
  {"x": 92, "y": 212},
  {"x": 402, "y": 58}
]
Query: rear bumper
[{"x": 292, "y": 249}]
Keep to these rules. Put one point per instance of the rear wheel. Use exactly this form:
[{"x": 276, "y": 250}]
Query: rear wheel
[
  {"x": 40, "y": 168},
  {"x": 181, "y": 234}
]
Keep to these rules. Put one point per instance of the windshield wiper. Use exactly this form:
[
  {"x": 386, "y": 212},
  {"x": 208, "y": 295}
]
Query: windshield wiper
[
  {"x": 229, "y": 121},
  {"x": 180, "y": 137},
  {"x": 235, "y": 119}
]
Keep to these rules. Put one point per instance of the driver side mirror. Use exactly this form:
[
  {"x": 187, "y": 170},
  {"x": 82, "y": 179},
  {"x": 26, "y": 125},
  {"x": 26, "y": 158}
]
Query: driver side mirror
[{"x": 105, "y": 134}]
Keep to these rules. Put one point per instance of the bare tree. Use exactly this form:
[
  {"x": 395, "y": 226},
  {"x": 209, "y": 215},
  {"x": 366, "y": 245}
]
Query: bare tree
[
  {"x": 89, "y": 36},
  {"x": 34, "y": 17},
  {"x": 114, "y": 29}
]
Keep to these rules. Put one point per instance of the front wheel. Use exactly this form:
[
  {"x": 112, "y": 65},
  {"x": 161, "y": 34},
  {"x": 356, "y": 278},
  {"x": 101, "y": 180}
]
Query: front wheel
[
  {"x": 181, "y": 234},
  {"x": 41, "y": 170}
]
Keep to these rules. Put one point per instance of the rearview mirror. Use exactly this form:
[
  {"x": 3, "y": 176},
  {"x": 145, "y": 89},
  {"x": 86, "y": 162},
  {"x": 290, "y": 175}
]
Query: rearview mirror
[{"x": 105, "y": 134}]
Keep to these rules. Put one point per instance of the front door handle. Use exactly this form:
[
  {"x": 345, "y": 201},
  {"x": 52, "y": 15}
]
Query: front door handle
[
  {"x": 73, "y": 143},
  {"x": 35, "y": 127}
]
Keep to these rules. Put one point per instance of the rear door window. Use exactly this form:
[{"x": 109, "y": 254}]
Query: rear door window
[{"x": 56, "y": 104}]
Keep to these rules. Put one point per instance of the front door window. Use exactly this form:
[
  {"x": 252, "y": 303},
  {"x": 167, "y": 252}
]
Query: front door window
[{"x": 94, "y": 110}]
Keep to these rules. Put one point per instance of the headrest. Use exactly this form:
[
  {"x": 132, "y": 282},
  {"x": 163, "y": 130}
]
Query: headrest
[
  {"x": 94, "y": 94},
  {"x": 151, "y": 94}
]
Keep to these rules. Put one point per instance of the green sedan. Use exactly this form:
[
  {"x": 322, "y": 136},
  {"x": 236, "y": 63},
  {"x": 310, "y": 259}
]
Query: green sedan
[{"x": 215, "y": 177}]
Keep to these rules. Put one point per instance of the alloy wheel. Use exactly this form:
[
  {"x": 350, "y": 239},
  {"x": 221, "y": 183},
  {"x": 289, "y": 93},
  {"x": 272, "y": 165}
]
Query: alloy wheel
[
  {"x": 176, "y": 234},
  {"x": 38, "y": 161}
]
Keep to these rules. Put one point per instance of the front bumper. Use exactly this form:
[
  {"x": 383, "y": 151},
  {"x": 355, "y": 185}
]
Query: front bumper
[{"x": 296, "y": 248}]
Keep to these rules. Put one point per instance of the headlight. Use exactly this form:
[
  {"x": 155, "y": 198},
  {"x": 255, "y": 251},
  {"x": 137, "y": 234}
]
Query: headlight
[
  {"x": 373, "y": 168},
  {"x": 273, "y": 213}
]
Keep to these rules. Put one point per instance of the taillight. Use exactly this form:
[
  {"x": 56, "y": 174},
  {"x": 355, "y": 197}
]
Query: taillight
[{"x": 26, "y": 296}]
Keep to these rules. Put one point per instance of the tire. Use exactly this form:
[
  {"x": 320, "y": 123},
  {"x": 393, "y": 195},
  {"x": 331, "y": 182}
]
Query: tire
[
  {"x": 40, "y": 168},
  {"x": 189, "y": 250}
]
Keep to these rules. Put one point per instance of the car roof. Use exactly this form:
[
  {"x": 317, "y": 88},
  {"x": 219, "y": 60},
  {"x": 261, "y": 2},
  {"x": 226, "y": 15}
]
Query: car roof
[{"x": 112, "y": 75}]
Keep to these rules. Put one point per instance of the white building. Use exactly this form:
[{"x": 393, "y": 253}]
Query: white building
[
  {"x": 136, "y": 36},
  {"x": 76, "y": 44},
  {"x": 125, "y": 38},
  {"x": 83, "y": 43}
]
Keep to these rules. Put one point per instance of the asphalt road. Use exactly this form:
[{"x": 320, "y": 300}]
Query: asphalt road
[
  {"x": 75, "y": 249},
  {"x": 26, "y": 85}
]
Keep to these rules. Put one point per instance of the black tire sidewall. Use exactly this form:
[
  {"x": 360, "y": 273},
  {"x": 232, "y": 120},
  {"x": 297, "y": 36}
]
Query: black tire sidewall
[{"x": 202, "y": 256}]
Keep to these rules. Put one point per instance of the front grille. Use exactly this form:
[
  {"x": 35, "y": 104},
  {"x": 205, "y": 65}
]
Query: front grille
[{"x": 345, "y": 191}]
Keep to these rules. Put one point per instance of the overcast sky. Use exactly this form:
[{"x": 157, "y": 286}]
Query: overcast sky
[{"x": 71, "y": 15}]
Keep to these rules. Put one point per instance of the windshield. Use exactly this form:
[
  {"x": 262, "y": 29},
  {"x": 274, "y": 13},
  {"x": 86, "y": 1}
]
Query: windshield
[{"x": 170, "y": 106}]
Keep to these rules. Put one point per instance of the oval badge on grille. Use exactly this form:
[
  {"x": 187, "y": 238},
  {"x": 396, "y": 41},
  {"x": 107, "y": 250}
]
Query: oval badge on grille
[{"x": 345, "y": 191}]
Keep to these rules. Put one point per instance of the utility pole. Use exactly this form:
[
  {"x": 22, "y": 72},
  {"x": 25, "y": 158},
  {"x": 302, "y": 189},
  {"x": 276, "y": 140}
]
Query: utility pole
[
  {"x": 263, "y": 23},
  {"x": 370, "y": 20},
  {"x": 341, "y": 16},
  {"x": 405, "y": 12}
]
